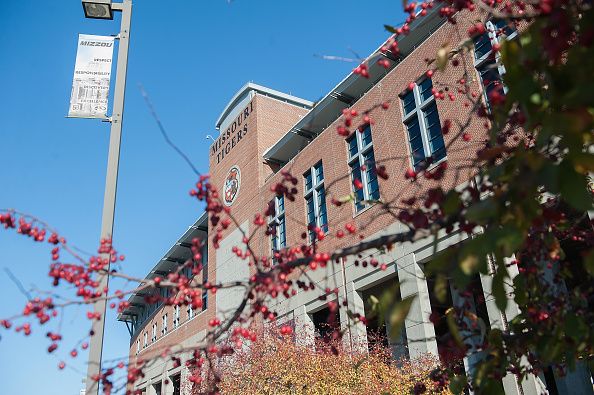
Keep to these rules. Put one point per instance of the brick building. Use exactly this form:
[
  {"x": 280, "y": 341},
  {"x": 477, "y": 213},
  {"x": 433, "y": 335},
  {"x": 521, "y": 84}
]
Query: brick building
[{"x": 263, "y": 131}]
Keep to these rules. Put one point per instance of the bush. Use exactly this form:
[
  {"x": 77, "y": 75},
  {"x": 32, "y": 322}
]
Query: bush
[{"x": 276, "y": 365}]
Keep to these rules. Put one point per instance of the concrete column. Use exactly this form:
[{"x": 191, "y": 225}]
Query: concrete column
[
  {"x": 397, "y": 344},
  {"x": 578, "y": 381},
  {"x": 420, "y": 332},
  {"x": 470, "y": 334},
  {"x": 167, "y": 387},
  {"x": 185, "y": 384},
  {"x": 531, "y": 385},
  {"x": 149, "y": 388},
  {"x": 304, "y": 327},
  {"x": 356, "y": 333}
]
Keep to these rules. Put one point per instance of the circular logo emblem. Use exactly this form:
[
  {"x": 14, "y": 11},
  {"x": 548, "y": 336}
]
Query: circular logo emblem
[{"x": 232, "y": 184}]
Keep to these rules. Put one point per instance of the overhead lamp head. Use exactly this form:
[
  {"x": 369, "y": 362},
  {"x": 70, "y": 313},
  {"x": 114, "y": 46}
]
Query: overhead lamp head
[{"x": 97, "y": 9}]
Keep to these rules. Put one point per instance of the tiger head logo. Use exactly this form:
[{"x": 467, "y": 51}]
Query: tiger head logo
[{"x": 231, "y": 187}]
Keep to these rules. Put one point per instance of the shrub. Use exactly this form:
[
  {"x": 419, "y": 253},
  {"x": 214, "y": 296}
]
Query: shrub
[{"x": 276, "y": 365}]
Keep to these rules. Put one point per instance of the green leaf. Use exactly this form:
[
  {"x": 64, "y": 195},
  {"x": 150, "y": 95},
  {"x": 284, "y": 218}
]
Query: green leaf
[
  {"x": 549, "y": 177},
  {"x": 469, "y": 264},
  {"x": 509, "y": 239},
  {"x": 389, "y": 28},
  {"x": 451, "y": 202},
  {"x": 482, "y": 211},
  {"x": 583, "y": 162},
  {"x": 499, "y": 289},
  {"x": 441, "y": 288},
  {"x": 381, "y": 306},
  {"x": 398, "y": 315},
  {"x": 453, "y": 326},
  {"x": 589, "y": 262},
  {"x": 457, "y": 384},
  {"x": 574, "y": 327},
  {"x": 574, "y": 188},
  {"x": 520, "y": 293}
]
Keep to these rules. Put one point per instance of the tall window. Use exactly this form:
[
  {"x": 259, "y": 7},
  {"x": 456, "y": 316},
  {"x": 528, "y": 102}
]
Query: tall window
[
  {"x": 422, "y": 123},
  {"x": 154, "y": 336},
  {"x": 315, "y": 200},
  {"x": 137, "y": 346},
  {"x": 488, "y": 62},
  {"x": 176, "y": 317},
  {"x": 362, "y": 164},
  {"x": 190, "y": 311},
  {"x": 164, "y": 325},
  {"x": 145, "y": 339},
  {"x": 204, "y": 276},
  {"x": 276, "y": 222}
]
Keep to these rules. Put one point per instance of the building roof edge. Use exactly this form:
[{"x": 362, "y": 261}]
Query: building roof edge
[{"x": 250, "y": 86}]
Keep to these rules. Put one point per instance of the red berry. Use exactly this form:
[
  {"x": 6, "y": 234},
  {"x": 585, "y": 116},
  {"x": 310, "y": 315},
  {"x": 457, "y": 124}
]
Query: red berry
[{"x": 410, "y": 173}]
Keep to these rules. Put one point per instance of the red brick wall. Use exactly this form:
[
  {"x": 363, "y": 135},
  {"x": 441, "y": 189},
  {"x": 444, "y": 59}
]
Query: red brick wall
[{"x": 390, "y": 143}]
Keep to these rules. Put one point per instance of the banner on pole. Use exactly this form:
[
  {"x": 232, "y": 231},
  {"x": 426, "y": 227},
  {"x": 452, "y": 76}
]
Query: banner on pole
[{"x": 92, "y": 71}]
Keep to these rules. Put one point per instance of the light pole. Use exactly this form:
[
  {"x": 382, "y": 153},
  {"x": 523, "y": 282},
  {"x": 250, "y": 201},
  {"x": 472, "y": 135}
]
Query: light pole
[{"x": 104, "y": 9}]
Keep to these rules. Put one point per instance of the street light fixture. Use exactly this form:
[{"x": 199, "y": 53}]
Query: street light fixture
[
  {"x": 97, "y": 9},
  {"x": 103, "y": 9}
]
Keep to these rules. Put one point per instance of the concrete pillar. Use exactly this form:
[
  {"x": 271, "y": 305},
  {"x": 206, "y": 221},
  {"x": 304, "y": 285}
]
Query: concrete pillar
[
  {"x": 578, "y": 381},
  {"x": 355, "y": 332},
  {"x": 531, "y": 385},
  {"x": 397, "y": 344},
  {"x": 419, "y": 330},
  {"x": 185, "y": 384},
  {"x": 470, "y": 335},
  {"x": 304, "y": 327},
  {"x": 167, "y": 387}
]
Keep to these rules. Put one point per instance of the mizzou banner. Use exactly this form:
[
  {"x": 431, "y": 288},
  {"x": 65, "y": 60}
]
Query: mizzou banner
[{"x": 92, "y": 72}]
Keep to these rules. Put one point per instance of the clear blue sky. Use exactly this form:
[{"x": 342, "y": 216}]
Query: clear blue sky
[{"x": 191, "y": 57}]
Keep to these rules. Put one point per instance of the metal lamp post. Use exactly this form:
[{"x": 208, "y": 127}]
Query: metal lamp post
[{"x": 104, "y": 9}]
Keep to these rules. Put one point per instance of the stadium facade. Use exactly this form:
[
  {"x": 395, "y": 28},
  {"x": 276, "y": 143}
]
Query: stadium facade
[{"x": 263, "y": 132}]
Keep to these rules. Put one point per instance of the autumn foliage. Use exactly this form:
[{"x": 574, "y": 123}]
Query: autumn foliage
[{"x": 276, "y": 364}]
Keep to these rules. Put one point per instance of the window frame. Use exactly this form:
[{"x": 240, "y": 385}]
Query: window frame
[
  {"x": 204, "y": 276},
  {"x": 176, "y": 317},
  {"x": 274, "y": 221},
  {"x": 482, "y": 63},
  {"x": 190, "y": 311},
  {"x": 164, "y": 324},
  {"x": 421, "y": 107},
  {"x": 359, "y": 157},
  {"x": 154, "y": 333},
  {"x": 313, "y": 192}
]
